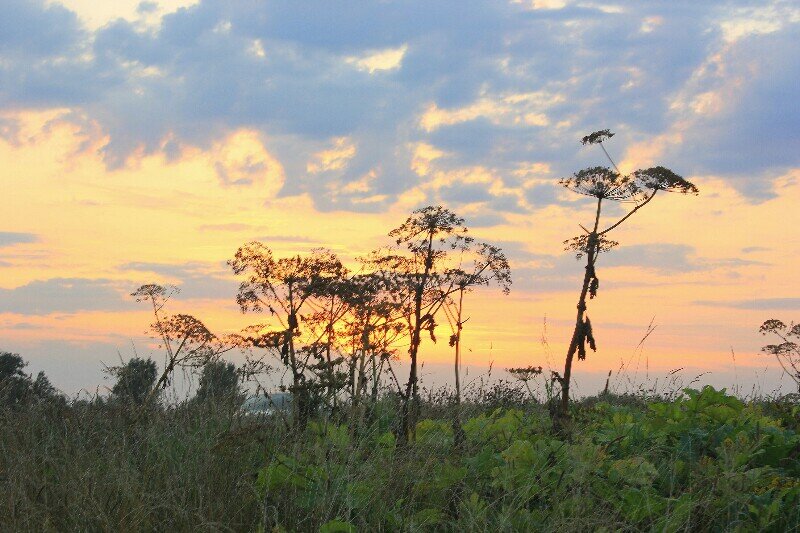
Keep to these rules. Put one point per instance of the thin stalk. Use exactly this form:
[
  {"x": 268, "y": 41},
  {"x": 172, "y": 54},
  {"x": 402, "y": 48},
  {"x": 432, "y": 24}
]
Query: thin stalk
[
  {"x": 458, "y": 432},
  {"x": 609, "y": 157},
  {"x": 573, "y": 345}
]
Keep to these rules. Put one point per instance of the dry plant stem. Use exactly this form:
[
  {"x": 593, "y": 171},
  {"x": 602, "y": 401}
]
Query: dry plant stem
[
  {"x": 609, "y": 157},
  {"x": 411, "y": 396},
  {"x": 168, "y": 364},
  {"x": 573, "y": 345},
  {"x": 632, "y": 211},
  {"x": 459, "y": 328},
  {"x": 357, "y": 410},
  {"x": 458, "y": 431}
]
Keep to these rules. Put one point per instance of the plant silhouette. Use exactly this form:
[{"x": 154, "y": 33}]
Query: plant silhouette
[
  {"x": 186, "y": 341},
  {"x": 787, "y": 352},
  {"x": 605, "y": 185}
]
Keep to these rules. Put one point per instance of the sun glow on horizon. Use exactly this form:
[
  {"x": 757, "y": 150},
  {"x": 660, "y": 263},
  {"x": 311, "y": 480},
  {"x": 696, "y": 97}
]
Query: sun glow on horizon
[{"x": 178, "y": 221}]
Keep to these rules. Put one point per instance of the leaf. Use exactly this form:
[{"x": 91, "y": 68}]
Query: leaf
[
  {"x": 428, "y": 517},
  {"x": 337, "y": 526}
]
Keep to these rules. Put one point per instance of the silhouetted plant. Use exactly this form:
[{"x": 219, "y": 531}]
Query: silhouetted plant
[
  {"x": 787, "y": 352},
  {"x": 284, "y": 288},
  {"x": 605, "y": 184},
  {"x": 136, "y": 379},
  {"x": 421, "y": 266},
  {"x": 525, "y": 375},
  {"x": 372, "y": 328},
  {"x": 479, "y": 265},
  {"x": 328, "y": 348},
  {"x": 186, "y": 341},
  {"x": 429, "y": 266}
]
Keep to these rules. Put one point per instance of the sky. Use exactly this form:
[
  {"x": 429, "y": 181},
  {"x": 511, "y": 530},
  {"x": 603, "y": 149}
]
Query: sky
[{"x": 143, "y": 142}]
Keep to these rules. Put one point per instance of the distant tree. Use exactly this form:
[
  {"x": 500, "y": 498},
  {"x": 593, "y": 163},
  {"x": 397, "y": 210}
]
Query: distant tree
[
  {"x": 136, "y": 380},
  {"x": 42, "y": 388},
  {"x": 11, "y": 366},
  {"x": 219, "y": 381},
  {"x": 18, "y": 388},
  {"x": 605, "y": 185},
  {"x": 14, "y": 383},
  {"x": 786, "y": 352}
]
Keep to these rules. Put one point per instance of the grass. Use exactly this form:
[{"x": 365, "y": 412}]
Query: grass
[{"x": 704, "y": 461}]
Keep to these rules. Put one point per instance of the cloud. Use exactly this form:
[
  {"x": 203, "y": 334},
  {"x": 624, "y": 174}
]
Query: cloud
[
  {"x": 64, "y": 295},
  {"x": 334, "y": 94},
  {"x": 378, "y": 60},
  {"x": 554, "y": 273},
  {"x": 10, "y": 238},
  {"x": 755, "y": 249},
  {"x": 196, "y": 280},
  {"x": 740, "y": 118},
  {"x": 667, "y": 259},
  {"x": 756, "y": 304},
  {"x": 35, "y": 30}
]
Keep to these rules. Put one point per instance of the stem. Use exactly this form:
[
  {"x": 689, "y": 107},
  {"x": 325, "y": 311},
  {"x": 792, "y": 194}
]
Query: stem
[
  {"x": 411, "y": 400},
  {"x": 459, "y": 327},
  {"x": 623, "y": 219},
  {"x": 459, "y": 437},
  {"x": 573, "y": 345},
  {"x": 609, "y": 157}
]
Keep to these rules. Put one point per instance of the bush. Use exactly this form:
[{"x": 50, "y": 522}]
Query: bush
[
  {"x": 219, "y": 381},
  {"x": 135, "y": 380}
]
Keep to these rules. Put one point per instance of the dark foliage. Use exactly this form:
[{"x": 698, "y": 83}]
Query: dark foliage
[
  {"x": 18, "y": 388},
  {"x": 135, "y": 380},
  {"x": 219, "y": 380}
]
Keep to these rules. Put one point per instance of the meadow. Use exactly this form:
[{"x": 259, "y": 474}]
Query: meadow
[{"x": 701, "y": 460}]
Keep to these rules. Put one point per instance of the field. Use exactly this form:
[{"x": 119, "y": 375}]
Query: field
[{"x": 703, "y": 460}]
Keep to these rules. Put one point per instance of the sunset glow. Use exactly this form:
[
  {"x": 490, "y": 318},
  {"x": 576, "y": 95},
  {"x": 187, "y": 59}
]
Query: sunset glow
[{"x": 146, "y": 143}]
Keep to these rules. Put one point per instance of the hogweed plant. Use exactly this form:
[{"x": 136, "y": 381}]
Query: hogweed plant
[
  {"x": 285, "y": 288},
  {"x": 605, "y": 185},
  {"x": 483, "y": 265},
  {"x": 420, "y": 262},
  {"x": 186, "y": 341},
  {"x": 787, "y": 352},
  {"x": 428, "y": 263},
  {"x": 372, "y": 327}
]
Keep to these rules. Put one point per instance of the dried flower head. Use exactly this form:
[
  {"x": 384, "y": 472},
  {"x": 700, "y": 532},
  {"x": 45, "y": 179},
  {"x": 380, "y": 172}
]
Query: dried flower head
[
  {"x": 663, "y": 179},
  {"x": 602, "y": 182},
  {"x": 597, "y": 137},
  {"x": 583, "y": 243}
]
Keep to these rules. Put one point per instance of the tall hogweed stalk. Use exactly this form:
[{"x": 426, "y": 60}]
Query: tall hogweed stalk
[{"x": 605, "y": 185}]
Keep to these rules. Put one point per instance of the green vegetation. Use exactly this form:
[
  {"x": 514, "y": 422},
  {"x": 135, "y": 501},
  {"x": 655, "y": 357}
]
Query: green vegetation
[{"x": 703, "y": 461}]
